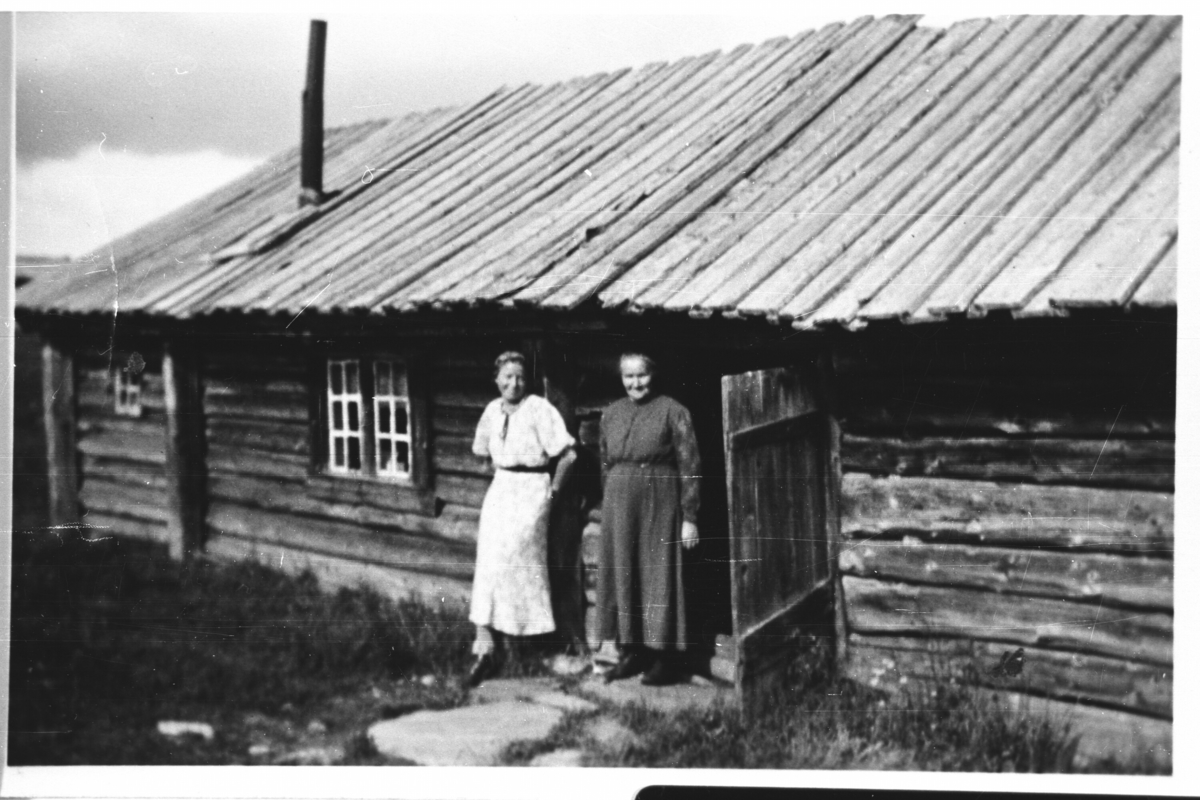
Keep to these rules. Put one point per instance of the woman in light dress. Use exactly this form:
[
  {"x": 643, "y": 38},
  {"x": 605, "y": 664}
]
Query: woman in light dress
[{"x": 522, "y": 434}]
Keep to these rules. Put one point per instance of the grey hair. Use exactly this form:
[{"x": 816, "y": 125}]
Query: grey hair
[
  {"x": 651, "y": 364},
  {"x": 508, "y": 357}
]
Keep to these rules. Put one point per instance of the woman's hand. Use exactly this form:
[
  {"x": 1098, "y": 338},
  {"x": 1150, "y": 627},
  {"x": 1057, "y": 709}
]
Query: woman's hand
[{"x": 691, "y": 535}]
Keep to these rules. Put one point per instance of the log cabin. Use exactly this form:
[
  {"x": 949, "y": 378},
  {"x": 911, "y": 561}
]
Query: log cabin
[{"x": 916, "y": 285}]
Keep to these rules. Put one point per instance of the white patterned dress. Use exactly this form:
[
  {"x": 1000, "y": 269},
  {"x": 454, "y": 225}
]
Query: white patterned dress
[{"x": 511, "y": 591}]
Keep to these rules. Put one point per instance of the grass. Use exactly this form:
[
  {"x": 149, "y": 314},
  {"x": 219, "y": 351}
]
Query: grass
[
  {"x": 838, "y": 724},
  {"x": 109, "y": 637}
]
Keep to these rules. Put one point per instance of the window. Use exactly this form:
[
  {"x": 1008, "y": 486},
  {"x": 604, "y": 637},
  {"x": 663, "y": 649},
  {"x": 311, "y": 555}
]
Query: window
[
  {"x": 345, "y": 417},
  {"x": 369, "y": 418},
  {"x": 127, "y": 392},
  {"x": 393, "y": 436}
]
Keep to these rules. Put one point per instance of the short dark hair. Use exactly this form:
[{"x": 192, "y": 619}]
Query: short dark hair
[
  {"x": 651, "y": 364},
  {"x": 508, "y": 357}
]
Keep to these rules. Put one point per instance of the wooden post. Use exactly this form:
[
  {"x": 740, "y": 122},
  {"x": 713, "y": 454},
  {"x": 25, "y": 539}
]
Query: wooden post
[
  {"x": 183, "y": 401},
  {"x": 833, "y": 512},
  {"x": 58, "y": 407},
  {"x": 566, "y": 522}
]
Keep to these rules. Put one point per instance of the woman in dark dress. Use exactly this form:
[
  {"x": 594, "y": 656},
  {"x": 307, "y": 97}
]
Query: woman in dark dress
[{"x": 651, "y": 472}]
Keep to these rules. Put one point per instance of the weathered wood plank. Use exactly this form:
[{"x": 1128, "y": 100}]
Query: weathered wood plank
[
  {"x": 1020, "y": 515},
  {"x": 899, "y": 609},
  {"x": 1134, "y": 463},
  {"x": 148, "y": 425},
  {"x": 453, "y": 454},
  {"x": 464, "y": 490},
  {"x": 1044, "y": 99},
  {"x": 1158, "y": 289},
  {"x": 334, "y": 573},
  {"x": 766, "y": 396},
  {"x": 124, "y": 499},
  {"x": 265, "y": 463},
  {"x": 1128, "y": 581},
  {"x": 1012, "y": 399},
  {"x": 58, "y": 421},
  {"x": 102, "y": 524},
  {"x": 1108, "y": 267},
  {"x": 749, "y": 214},
  {"x": 275, "y": 435},
  {"x": 121, "y": 471},
  {"x": 923, "y": 155},
  {"x": 1137, "y": 687},
  {"x": 387, "y": 494},
  {"x": 244, "y": 362},
  {"x": 186, "y": 495},
  {"x": 455, "y": 420},
  {"x": 473, "y": 398},
  {"x": 346, "y": 540},
  {"x": 241, "y": 400},
  {"x": 119, "y": 445},
  {"x": 373, "y": 507},
  {"x": 1015, "y": 200}
]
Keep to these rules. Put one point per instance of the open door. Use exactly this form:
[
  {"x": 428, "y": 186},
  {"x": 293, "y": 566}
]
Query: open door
[{"x": 781, "y": 479}]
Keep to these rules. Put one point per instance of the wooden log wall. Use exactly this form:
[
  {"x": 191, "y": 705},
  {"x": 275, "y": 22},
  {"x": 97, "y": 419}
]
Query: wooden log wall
[
  {"x": 1008, "y": 491},
  {"x": 122, "y": 459},
  {"x": 268, "y": 502}
]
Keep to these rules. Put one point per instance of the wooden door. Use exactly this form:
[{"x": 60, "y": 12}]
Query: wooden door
[{"x": 780, "y": 472}]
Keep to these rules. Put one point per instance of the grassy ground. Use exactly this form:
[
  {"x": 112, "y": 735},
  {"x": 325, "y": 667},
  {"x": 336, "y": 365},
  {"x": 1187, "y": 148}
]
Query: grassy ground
[
  {"x": 110, "y": 637},
  {"x": 832, "y": 724}
]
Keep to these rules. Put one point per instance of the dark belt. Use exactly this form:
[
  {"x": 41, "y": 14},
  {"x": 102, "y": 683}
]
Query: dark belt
[{"x": 525, "y": 469}]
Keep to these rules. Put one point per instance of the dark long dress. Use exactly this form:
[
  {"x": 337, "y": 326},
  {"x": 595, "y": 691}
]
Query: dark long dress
[{"x": 651, "y": 473}]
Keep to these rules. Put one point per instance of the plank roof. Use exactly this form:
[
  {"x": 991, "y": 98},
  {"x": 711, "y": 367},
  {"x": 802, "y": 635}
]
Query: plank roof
[{"x": 864, "y": 171}]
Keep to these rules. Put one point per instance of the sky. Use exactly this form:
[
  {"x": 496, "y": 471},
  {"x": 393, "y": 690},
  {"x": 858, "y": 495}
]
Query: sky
[{"x": 123, "y": 116}]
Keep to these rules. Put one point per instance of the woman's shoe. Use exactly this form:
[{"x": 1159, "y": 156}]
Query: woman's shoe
[
  {"x": 631, "y": 663},
  {"x": 661, "y": 674},
  {"x": 485, "y": 666}
]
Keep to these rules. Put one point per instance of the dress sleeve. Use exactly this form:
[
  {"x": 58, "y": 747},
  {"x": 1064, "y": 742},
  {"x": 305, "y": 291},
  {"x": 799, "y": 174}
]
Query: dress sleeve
[
  {"x": 687, "y": 457},
  {"x": 551, "y": 430},
  {"x": 483, "y": 433},
  {"x": 603, "y": 450}
]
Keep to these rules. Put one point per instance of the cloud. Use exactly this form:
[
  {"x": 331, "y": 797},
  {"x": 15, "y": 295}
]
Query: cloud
[{"x": 72, "y": 206}]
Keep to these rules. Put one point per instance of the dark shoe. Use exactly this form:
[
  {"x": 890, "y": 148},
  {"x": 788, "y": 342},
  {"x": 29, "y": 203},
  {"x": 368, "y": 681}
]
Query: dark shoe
[
  {"x": 631, "y": 663},
  {"x": 485, "y": 667},
  {"x": 663, "y": 673}
]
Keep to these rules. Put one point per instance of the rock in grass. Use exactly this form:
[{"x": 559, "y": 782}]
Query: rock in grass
[
  {"x": 566, "y": 702},
  {"x": 317, "y": 727},
  {"x": 259, "y": 750},
  {"x": 313, "y": 756},
  {"x": 474, "y": 735},
  {"x": 175, "y": 728},
  {"x": 611, "y": 735},
  {"x": 566, "y": 666},
  {"x": 428, "y": 680},
  {"x": 559, "y": 758}
]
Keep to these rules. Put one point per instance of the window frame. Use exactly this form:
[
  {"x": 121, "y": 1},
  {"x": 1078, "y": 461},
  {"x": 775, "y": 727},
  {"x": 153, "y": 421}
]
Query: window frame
[
  {"x": 132, "y": 388},
  {"x": 417, "y": 483}
]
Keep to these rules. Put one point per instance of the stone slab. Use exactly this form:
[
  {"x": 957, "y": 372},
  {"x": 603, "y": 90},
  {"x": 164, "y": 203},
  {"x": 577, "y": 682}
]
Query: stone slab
[
  {"x": 559, "y": 758},
  {"x": 659, "y": 698},
  {"x": 566, "y": 702},
  {"x": 610, "y": 734},
  {"x": 503, "y": 690},
  {"x": 473, "y": 735}
]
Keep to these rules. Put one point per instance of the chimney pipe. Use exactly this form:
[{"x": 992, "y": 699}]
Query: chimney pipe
[{"x": 312, "y": 127}]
